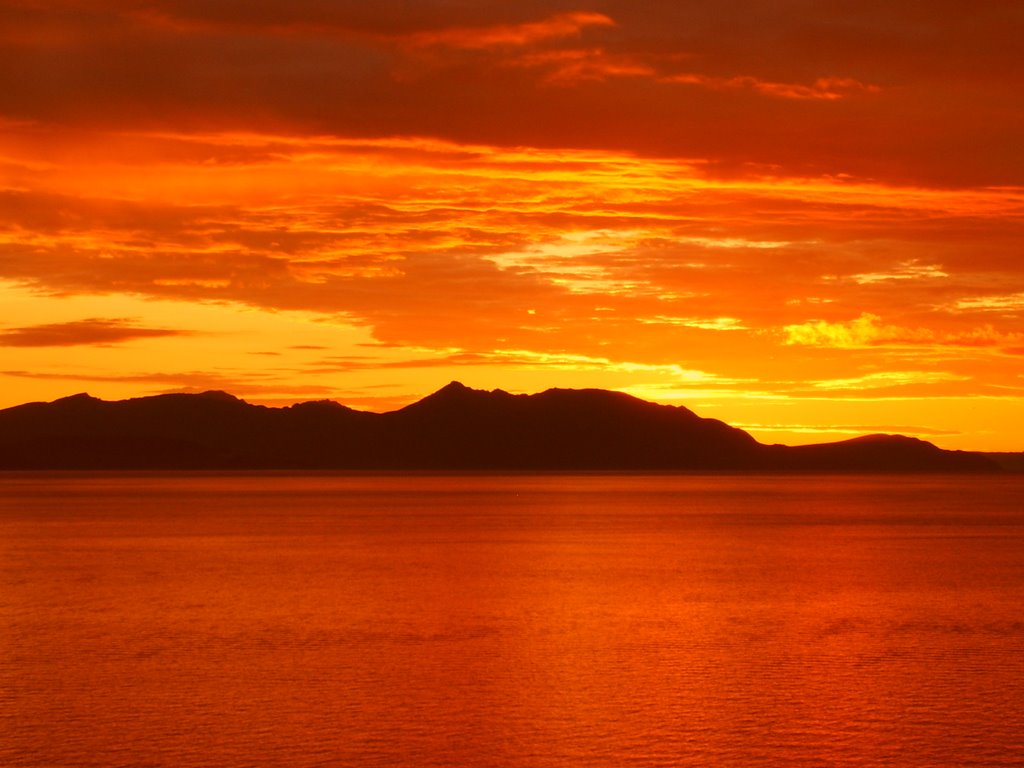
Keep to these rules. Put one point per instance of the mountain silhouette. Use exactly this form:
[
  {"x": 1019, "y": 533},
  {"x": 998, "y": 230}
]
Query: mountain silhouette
[{"x": 455, "y": 428}]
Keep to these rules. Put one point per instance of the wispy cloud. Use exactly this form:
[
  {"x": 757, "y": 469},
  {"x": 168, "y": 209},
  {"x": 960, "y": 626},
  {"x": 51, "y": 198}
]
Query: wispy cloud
[
  {"x": 159, "y": 382},
  {"x": 868, "y": 330},
  {"x": 886, "y": 379},
  {"x": 1006, "y": 303},
  {"x": 821, "y": 89},
  {"x": 525, "y": 358},
  {"x": 704, "y": 323},
  {"x": 911, "y": 270},
  {"x": 92, "y": 332},
  {"x": 576, "y": 65},
  {"x": 504, "y": 35},
  {"x": 848, "y": 429},
  {"x": 571, "y": 66}
]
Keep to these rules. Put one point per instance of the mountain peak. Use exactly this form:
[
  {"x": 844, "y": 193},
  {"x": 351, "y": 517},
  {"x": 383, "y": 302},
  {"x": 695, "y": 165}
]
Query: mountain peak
[
  {"x": 452, "y": 388},
  {"x": 451, "y": 392},
  {"x": 81, "y": 397},
  {"x": 456, "y": 398},
  {"x": 218, "y": 394}
]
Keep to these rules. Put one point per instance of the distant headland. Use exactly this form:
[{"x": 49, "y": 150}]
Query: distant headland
[{"x": 455, "y": 428}]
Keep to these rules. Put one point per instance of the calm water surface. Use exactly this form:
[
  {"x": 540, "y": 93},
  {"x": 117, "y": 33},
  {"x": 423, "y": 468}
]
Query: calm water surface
[{"x": 442, "y": 620}]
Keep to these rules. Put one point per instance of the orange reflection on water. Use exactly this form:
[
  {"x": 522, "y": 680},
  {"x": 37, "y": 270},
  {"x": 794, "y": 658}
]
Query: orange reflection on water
[{"x": 513, "y": 620}]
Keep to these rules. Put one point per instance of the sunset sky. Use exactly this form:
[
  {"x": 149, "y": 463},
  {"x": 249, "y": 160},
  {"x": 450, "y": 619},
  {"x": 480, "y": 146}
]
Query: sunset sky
[{"x": 803, "y": 218}]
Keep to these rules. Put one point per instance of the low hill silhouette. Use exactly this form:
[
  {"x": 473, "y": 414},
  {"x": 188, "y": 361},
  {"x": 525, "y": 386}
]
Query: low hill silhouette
[{"x": 454, "y": 428}]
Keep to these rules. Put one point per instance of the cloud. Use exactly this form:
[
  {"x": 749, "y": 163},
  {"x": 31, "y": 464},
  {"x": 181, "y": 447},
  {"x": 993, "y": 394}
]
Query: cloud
[
  {"x": 868, "y": 331},
  {"x": 506, "y": 35},
  {"x": 573, "y": 66},
  {"x": 90, "y": 332},
  {"x": 821, "y": 89},
  {"x": 886, "y": 379},
  {"x": 663, "y": 80},
  {"x": 848, "y": 429},
  {"x": 435, "y": 243},
  {"x": 705, "y": 323},
  {"x": 1006, "y": 303},
  {"x": 525, "y": 358},
  {"x": 911, "y": 270},
  {"x": 236, "y": 382}
]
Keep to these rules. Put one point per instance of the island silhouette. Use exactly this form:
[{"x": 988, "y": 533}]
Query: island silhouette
[{"x": 455, "y": 428}]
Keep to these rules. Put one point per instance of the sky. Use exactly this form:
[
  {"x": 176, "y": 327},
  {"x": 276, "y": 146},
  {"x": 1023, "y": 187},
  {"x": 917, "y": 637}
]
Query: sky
[{"x": 805, "y": 218}]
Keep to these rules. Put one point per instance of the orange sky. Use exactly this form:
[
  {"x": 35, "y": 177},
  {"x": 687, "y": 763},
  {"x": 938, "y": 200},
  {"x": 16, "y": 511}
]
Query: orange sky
[{"x": 804, "y": 218}]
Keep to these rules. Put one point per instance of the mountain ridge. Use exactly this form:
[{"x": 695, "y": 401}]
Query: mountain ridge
[{"x": 454, "y": 428}]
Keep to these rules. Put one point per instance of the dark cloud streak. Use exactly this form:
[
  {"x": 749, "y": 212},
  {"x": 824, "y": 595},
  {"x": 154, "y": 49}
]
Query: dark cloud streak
[{"x": 89, "y": 332}]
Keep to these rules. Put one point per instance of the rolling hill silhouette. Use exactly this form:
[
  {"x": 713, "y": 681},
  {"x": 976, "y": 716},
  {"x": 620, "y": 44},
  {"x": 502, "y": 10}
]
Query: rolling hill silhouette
[{"x": 454, "y": 428}]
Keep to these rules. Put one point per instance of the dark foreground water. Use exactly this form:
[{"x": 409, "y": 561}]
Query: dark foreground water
[{"x": 395, "y": 620}]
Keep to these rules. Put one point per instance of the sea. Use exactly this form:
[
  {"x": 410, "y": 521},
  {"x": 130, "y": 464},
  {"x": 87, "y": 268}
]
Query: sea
[{"x": 179, "y": 620}]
